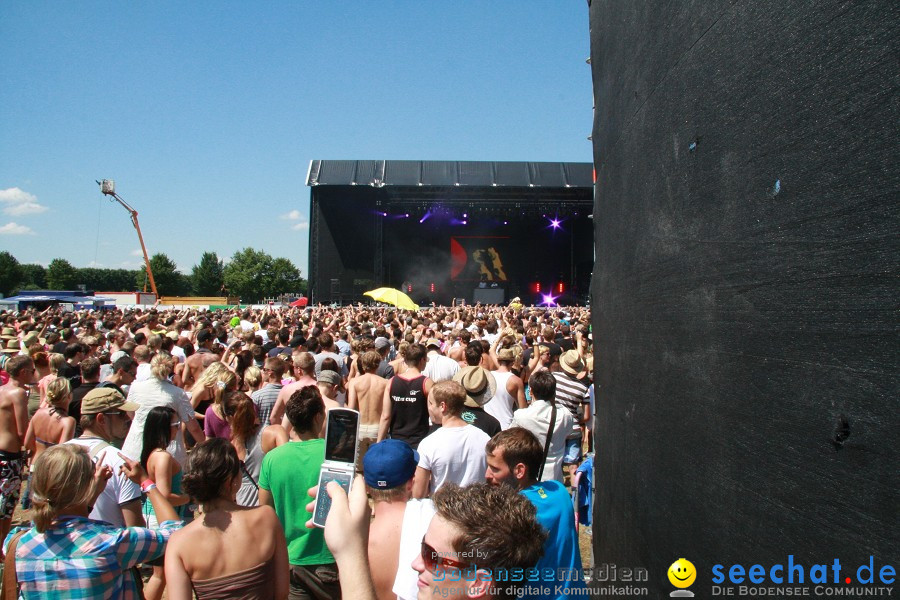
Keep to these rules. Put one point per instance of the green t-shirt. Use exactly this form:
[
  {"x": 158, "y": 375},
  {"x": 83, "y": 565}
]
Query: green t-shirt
[{"x": 287, "y": 473}]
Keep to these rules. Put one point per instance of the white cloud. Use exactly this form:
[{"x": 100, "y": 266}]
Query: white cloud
[
  {"x": 300, "y": 226},
  {"x": 19, "y": 202},
  {"x": 95, "y": 265},
  {"x": 294, "y": 215},
  {"x": 13, "y": 228},
  {"x": 137, "y": 252}
]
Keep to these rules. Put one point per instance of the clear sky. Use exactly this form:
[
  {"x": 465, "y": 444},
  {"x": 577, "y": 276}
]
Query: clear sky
[{"x": 206, "y": 114}]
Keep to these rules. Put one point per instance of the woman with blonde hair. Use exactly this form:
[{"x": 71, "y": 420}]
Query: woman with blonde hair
[
  {"x": 244, "y": 549},
  {"x": 252, "y": 379},
  {"x": 214, "y": 423},
  {"x": 205, "y": 388},
  {"x": 399, "y": 363},
  {"x": 67, "y": 552},
  {"x": 56, "y": 363},
  {"x": 51, "y": 424}
]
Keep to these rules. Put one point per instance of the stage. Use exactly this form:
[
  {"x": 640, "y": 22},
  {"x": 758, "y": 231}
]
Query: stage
[{"x": 442, "y": 230}]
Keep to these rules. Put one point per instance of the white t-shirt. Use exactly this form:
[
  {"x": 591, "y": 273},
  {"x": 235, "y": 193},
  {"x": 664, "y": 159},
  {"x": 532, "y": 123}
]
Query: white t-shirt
[
  {"x": 119, "y": 489},
  {"x": 416, "y": 519},
  {"x": 150, "y": 393},
  {"x": 143, "y": 372},
  {"x": 178, "y": 352},
  {"x": 440, "y": 367},
  {"x": 536, "y": 419},
  {"x": 454, "y": 454}
]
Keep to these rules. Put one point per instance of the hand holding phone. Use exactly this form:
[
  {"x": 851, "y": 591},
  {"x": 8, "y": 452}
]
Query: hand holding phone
[{"x": 341, "y": 448}]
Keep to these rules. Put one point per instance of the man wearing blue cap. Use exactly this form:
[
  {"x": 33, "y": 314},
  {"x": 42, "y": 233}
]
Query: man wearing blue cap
[{"x": 396, "y": 531}]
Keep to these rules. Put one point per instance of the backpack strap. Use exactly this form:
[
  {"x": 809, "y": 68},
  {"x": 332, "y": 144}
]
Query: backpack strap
[
  {"x": 97, "y": 449},
  {"x": 10, "y": 585}
]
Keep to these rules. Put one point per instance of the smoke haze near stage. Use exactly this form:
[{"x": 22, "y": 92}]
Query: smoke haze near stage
[{"x": 440, "y": 229}]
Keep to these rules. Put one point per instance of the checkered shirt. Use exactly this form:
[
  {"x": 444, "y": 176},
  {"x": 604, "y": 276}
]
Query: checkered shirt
[{"x": 82, "y": 558}]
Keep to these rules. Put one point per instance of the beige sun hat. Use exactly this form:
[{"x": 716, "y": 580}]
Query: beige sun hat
[
  {"x": 571, "y": 362},
  {"x": 479, "y": 384}
]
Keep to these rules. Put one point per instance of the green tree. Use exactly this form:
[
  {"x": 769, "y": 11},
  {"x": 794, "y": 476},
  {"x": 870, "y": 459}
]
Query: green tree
[
  {"x": 208, "y": 277},
  {"x": 285, "y": 278},
  {"x": 10, "y": 273},
  {"x": 34, "y": 277},
  {"x": 169, "y": 281},
  {"x": 247, "y": 274},
  {"x": 107, "y": 280},
  {"x": 61, "y": 275}
]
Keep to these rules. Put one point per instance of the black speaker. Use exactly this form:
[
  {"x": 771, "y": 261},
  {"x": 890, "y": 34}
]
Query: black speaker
[{"x": 745, "y": 290}]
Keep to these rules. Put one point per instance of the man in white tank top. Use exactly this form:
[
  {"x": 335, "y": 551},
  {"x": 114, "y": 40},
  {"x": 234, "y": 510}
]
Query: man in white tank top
[{"x": 510, "y": 393}]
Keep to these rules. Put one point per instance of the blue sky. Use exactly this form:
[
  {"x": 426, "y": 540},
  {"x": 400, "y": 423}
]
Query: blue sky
[{"x": 207, "y": 114}]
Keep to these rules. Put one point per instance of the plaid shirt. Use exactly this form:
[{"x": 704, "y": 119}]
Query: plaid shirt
[{"x": 82, "y": 558}]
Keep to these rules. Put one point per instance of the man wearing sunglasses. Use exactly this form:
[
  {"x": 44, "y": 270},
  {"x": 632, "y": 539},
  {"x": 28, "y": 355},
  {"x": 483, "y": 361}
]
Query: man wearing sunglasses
[
  {"x": 105, "y": 420},
  {"x": 514, "y": 459},
  {"x": 477, "y": 533}
]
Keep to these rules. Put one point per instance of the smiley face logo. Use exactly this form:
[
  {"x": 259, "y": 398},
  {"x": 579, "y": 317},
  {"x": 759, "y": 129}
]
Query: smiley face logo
[{"x": 682, "y": 573}]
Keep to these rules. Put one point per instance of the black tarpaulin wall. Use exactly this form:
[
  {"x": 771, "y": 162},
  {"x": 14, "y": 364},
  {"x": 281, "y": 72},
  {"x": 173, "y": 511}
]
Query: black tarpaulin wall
[{"x": 745, "y": 289}]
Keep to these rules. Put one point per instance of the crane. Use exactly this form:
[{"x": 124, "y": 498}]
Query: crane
[{"x": 108, "y": 187}]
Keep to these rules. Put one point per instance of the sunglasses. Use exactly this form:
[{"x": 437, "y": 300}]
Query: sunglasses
[{"x": 434, "y": 561}]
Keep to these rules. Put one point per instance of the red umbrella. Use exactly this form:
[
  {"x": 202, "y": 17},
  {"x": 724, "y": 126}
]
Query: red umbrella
[{"x": 302, "y": 301}]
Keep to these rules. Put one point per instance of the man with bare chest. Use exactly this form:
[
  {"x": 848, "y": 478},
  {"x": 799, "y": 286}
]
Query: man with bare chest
[
  {"x": 13, "y": 424},
  {"x": 197, "y": 362},
  {"x": 365, "y": 394}
]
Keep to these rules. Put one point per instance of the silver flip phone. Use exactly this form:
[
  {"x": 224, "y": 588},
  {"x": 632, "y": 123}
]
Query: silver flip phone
[{"x": 341, "y": 448}]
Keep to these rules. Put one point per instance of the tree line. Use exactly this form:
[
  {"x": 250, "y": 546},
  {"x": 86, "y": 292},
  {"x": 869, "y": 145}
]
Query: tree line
[{"x": 251, "y": 275}]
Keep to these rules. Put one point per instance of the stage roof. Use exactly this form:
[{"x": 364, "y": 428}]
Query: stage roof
[{"x": 421, "y": 173}]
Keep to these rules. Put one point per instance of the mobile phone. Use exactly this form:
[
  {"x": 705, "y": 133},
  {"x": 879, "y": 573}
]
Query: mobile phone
[{"x": 341, "y": 448}]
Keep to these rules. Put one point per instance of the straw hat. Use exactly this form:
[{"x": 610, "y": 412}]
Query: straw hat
[
  {"x": 571, "y": 362},
  {"x": 479, "y": 384}
]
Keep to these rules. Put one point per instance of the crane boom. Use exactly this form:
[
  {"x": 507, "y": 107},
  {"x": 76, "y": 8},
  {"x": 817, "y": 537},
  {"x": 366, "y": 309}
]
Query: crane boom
[{"x": 108, "y": 189}]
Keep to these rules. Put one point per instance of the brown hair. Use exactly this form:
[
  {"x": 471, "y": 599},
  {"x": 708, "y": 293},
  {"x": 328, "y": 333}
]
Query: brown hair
[
  {"x": 450, "y": 393},
  {"x": 276, "y": 365},
  {"x": 211, "y": 464},
  {"x": 496, "y": 524},
  {"x": 15, "y": 364},
  {"x": 519, "y": 446},
  {"x": 303, "y": 407},
  {"x": 239, "y": 407},
  {"x": 370, "y": 361}
]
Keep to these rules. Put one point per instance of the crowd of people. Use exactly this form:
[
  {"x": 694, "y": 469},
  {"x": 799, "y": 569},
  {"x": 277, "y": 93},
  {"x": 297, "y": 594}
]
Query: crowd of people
[{"x": 178, "y": 450}]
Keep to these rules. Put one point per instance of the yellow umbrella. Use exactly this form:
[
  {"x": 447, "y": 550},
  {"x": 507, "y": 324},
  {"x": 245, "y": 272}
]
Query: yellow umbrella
[{"x": 392, "y": 296}]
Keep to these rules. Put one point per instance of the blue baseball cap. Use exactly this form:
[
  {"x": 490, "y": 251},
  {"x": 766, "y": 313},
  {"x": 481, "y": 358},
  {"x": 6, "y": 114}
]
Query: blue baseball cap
[{"x": 389, "y": 463}]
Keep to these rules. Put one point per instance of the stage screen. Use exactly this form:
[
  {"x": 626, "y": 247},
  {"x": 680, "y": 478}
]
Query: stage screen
[{"x": 479, "y": 258}]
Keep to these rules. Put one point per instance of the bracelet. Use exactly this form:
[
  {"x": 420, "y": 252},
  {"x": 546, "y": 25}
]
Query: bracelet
[{"x": 147, "y": 485}]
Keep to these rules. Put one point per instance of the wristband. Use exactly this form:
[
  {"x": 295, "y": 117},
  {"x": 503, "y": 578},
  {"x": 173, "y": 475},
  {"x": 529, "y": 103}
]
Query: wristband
[{"x": 147, "y": 485}]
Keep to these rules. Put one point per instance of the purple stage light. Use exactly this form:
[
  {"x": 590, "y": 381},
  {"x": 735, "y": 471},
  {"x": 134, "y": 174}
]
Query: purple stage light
[
  {"x": 549, "y": 300},
  {"x": 506, "y": 222},
  {"x": 465, "y": 215},
  {"x": 425, "y": 216}
]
